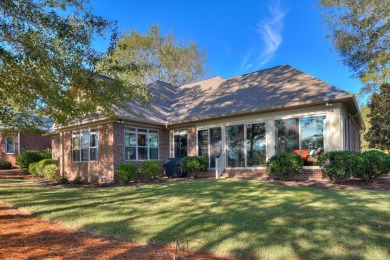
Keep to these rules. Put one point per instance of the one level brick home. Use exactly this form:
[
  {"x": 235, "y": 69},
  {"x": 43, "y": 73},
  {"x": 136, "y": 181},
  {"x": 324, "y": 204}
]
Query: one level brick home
[
  {"x": 243, "y": 121},
  {"x": 13, "y": 141}
]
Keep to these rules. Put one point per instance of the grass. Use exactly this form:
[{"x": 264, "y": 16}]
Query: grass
[{"x": 243, "y": 217}]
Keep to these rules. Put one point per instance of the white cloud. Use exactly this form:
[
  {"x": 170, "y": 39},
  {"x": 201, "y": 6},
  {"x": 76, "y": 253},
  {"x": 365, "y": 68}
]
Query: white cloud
[{"x": 270, "y": 30}]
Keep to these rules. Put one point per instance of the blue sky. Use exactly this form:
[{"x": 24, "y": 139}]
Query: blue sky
[{"x": 240, "y": 36}]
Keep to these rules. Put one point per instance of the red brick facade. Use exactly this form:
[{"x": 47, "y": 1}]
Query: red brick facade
[
  {"x": 27, "y": 142},
  {"x": 110, "y": 153}
]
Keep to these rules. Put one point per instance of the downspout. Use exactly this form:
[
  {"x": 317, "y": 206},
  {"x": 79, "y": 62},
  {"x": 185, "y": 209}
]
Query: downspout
[{"x": 18, "y": 142}]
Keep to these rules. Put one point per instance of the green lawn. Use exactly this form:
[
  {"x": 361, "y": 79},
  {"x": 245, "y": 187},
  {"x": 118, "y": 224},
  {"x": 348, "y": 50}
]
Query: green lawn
[{"x": 243, "y": 217}]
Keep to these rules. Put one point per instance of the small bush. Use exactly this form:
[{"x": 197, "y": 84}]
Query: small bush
[
  {"x": 285, "y": 165},
  {"x": 26, "y": 157},
  {"x": 195, "y": 165},
  {"x": 78, "y": 180},
  {"x": 39, "y": 168},
  {"x": 52, "y": 172},
  {"x": 150, "y": 169},
  {"x": 33, "y": 169},
  {"x": 376, "y": 164},
  {"x": 127, "y": 172},
  {"x": 63, "y": 180},
  {"x": 4, "y": 165},
  {"x": 341, "y": 165}
]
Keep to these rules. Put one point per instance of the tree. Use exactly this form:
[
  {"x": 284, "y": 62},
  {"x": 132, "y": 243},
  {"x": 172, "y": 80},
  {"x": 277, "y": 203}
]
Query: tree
[
  {"x": 361, "y": 34},
  {"x": 378, "y": 135},
  {"x": 365, "y": 110},
  {"x": 160, "y": 57},
  {"x": 48, "y": 65}
]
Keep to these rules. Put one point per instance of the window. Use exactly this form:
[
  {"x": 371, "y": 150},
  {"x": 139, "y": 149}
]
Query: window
[
  {"x": 10, "y": 144},
  {"x": 255, "y": 145},
  {"x": 85, "y": 145},
  {"x": 235, "y": 146},
  {"x": 141, "y": 144},
  {"x": 210, "y": 144},
  {"x": 180, "y": 144},
  {"x": 304, "y": 136}
]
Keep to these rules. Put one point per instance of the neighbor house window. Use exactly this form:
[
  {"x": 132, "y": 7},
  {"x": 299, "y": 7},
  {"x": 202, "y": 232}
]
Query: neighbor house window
[
  {"x": 210, "y": 144},
  {"x": 141, "y": 144},
  {"x": 10, "y": 144},
  {"x": 85, "y": 145},
  {"x": 303, "y": 136}
]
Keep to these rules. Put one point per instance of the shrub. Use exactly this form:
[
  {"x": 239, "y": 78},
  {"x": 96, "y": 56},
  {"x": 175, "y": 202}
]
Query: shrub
[
  {"x": 4, "y": 165},
  {"x": 26, "y": 157},
  {"x": 52, "y": 172},
  {"x": 78, "y": 180},
  {"x": 33, "y": 169},
  {"x": 127, "y": 172},
  {"x": 150, "y": 169},
  {"x": 341, "y": 165},
  {"x": 195, "y": 165},
  {"x": 285, "y": 165},
  {"x": 63, "y": 180},
  {"x": 39, "y": 168},
  {"x": 376, "y": 164}
]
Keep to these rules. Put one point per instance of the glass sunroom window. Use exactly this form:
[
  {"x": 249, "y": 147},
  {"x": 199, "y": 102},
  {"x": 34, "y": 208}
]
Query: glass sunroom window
[
  {"x": 210, "y": 144},
  {"x": 180, "y": 144},
  {"x": 235, "y": 146},
  {"x": 312, "y": 131},
  {"x": 287, "y": 136},
  {"x": 255, "y": 145}
]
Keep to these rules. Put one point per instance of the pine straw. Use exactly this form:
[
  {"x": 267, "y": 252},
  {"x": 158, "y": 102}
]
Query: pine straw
[{"x": 23, "y": 236}]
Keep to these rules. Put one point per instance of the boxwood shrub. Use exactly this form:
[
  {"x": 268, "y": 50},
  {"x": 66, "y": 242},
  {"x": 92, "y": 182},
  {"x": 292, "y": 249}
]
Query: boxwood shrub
[
  {"x": 33, "y": 169},
  {"x": 127, "y": 172},
  {"x": 4, "y": 165},
  {"x": 150, "y": 169},
  {"x": 51, "y": 172},
  {"x": 26, "y": 157},
  {"x": 285, "y": 165},
  {"x": 194, "y": 165},
  {"x": 342, "y": 165},
  {"x": 377, "y": 163}
]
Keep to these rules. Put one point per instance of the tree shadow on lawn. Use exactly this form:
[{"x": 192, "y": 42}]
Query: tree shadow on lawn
[{"x": 247, "y": 218}]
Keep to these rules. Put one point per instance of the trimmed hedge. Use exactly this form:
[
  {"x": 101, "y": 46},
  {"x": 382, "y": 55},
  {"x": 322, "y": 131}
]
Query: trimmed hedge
[
  {"x": 150, "y": 169},
  {"x": 342, "y": 165},
  {"x": 37, "y": 169},
  {"x": 195, "y": 165},
  {"x": 127, "y": 172},
  {"x": 26, "y": 157},
  {"x": 285, "y": 165},
  {"x": 376, "y": 164},
  {"x": 4, "y": 165},
  {"x": 33, "y": 169},
  {"x": 51, "y": 172}
]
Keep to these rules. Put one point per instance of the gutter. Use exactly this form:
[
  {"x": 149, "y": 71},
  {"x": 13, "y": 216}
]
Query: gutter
[{"x": 18, "y": 142}]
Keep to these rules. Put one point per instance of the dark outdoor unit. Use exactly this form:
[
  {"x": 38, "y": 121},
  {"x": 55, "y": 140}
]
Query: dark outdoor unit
[{"x": 173, "y": 168}]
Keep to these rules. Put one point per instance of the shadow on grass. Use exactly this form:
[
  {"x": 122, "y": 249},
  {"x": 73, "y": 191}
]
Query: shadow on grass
[{"x": 249, "y": 219}]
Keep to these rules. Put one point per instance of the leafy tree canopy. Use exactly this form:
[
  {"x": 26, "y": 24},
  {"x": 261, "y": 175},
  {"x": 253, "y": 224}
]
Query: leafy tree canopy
[
  {"x": 378, "y": 136},
  {"x": 48, "y": 65},
  {"x": 160, "y": 57},
  {"x": 360, "y": 30}
]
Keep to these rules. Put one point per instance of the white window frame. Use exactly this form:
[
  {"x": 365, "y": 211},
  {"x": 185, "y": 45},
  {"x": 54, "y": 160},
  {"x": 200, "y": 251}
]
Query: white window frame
[
  {"x": 6, "y": 145},
  {"x": 90, "y": 130},
  {"x": 148, "y": 134}
]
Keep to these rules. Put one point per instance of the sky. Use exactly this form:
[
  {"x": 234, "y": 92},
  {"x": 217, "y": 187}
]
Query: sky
[{"x": 240, "y": 36}]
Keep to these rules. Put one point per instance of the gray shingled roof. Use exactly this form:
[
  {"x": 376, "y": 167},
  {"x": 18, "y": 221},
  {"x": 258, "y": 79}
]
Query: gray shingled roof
[{"x": 278, "y": 87}]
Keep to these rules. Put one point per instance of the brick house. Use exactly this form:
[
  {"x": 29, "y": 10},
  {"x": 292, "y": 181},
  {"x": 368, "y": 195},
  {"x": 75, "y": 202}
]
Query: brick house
[
  {"x": 12, "y": 142},
  {"x": 242, "y": 121}
]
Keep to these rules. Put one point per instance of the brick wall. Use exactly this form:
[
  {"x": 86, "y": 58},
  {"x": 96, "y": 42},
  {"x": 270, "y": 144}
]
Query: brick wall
[
  {"x": 93, "y": 171},
  {"x": 55, "y": 147},
  {"x": 119, "y": 156},
  {"x": 191, "y": 141},
  {"x": 30, "y": 141}
]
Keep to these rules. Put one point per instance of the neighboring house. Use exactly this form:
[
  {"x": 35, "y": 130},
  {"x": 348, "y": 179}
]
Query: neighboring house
[
  {"x": 246, "y": 119},
  {"x": 12, "y": 142}
]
